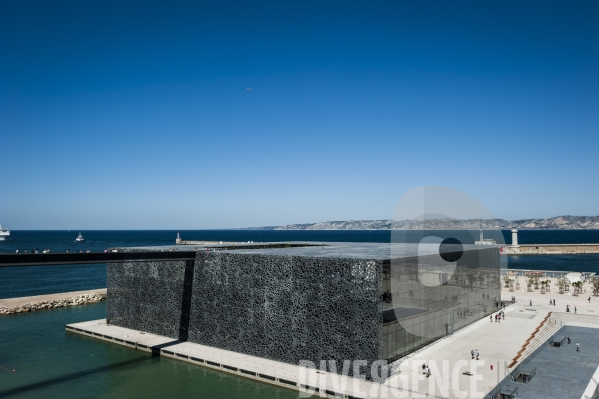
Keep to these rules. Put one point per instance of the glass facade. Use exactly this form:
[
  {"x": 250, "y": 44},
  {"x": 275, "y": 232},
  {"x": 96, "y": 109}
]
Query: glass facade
[{"x": 424, "y": 300}]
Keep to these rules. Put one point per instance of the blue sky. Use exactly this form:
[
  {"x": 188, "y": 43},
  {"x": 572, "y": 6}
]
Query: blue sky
[{"x": 135, "y": 115}]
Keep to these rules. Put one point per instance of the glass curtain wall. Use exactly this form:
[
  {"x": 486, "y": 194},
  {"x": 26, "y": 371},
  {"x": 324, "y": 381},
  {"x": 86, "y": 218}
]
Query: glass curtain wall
[{"x": 423, "y": 301}]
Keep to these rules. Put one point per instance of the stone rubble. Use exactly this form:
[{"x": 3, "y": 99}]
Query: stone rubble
[{"x": 55, "y": 303}]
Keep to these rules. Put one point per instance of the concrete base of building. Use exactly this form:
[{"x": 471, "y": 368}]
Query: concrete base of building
[{"x": 305, "y": 380}]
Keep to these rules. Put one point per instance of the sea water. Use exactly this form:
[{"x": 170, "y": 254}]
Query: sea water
[
  {"x": 51, "y": 363},
  {"x": 37, "y": 280}
]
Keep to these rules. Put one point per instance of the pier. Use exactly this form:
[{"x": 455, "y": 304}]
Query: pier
[
  {"x": 551, "y": 249},
  {"x": 547, "y": 249}
]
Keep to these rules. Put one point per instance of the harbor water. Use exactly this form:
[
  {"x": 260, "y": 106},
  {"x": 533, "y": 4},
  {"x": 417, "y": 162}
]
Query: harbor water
[
  {"x": 51, "y": 363},
  {"x": 38, "y": 280}
]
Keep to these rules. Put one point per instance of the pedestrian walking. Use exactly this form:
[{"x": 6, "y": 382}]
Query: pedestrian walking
[
  {"x": 554, "y": 302},
  {"x": 472, "y": 353},
  {"x": 491, "y": 318},
  {"x": 569, "y": 340},
  {"x": 574, "y": 309},
  {"x": 578, "y": 347},
  {"x": 589, "y": 297},
  {"x": 476, "y": 353},
  {"x": 530, "y": 302}
]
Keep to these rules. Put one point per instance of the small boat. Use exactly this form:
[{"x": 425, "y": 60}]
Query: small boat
[
  {"x": 4, "y": 233},
  {"x": 79, "y": 238}
]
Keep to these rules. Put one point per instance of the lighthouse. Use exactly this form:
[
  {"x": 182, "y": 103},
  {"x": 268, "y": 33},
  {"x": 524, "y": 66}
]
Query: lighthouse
[{"x": 515, "y": 239}]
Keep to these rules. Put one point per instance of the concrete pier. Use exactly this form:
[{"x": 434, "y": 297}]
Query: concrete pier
[
  {"x": 551, "y": 249},
  {"x": 255, "y": 368}
]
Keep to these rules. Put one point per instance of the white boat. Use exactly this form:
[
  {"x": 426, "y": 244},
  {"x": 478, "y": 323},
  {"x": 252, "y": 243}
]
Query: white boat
[
  {"x": 4, "y": 233},
  {"x": 79, "y": 238}
]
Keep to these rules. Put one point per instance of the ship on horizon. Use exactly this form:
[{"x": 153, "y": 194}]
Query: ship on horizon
[{"x": 4, "y": 233}]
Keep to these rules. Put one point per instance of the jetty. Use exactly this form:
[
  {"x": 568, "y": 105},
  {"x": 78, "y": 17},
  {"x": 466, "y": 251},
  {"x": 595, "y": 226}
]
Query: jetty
[
  {"x": 50, "y": 301},
  {"x": 203, "y": 243},
  {"x": 547, "y": 249},
  {"x": 552, "y": 249}
]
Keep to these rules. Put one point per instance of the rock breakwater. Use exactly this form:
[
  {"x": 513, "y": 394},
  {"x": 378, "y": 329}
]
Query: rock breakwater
[{"x": 53, "y": 303}]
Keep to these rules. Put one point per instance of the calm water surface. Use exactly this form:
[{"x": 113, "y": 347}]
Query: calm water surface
[
  {"x": 51, "y": 363},
  {"x": 36, "y": 280}
]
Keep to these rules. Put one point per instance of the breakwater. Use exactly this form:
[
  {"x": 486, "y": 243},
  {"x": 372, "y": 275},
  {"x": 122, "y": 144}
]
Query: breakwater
[
  {"x": 551, "y": 249},
  {"x": 52, "y": 301}
]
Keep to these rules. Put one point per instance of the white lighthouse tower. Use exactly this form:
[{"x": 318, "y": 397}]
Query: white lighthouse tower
[{"x": 515, "y": 239}]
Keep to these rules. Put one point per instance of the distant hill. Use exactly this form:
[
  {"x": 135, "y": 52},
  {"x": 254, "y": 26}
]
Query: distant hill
[{"x": 554, "y": 223}]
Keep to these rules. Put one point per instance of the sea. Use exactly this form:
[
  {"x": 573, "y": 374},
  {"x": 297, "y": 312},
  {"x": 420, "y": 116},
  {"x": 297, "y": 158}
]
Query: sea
[
  {"x": 39, "y": 359},
  {"x": 38, "y": 280}
]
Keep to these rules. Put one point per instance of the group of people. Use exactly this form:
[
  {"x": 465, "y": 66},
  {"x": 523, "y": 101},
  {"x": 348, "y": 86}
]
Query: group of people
[
  {"x": 513, "y": 299},
  {"x": 47, "y": 251},
  {"x": 474, "y": 353},
  {"x": 568, "y": 309},
  {"x": 34, "y": 251},
  {"x": 498, "y": 316},
  {"x": 426, "y": 370}
]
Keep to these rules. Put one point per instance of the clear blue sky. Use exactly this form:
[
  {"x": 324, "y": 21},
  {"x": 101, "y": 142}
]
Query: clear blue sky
[{"x": 135, "y": 115}]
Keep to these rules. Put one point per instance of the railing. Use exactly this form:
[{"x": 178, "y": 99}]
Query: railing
[
  {"x": 42, "y": 259},
  {"x": 543, "y": 273},
  {"x": 512, "y": 376}
]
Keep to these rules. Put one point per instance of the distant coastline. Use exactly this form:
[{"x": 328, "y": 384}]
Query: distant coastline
[{"x": 554, "y": 223}]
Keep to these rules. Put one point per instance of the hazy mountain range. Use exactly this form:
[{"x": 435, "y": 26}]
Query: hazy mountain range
[{"x": 554, "y": 223}]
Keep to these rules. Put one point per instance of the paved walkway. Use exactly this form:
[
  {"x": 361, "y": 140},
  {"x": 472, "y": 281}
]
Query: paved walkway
[
  {"x": 497, "y": 343},
  {"x": 563, "y": 372}
]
